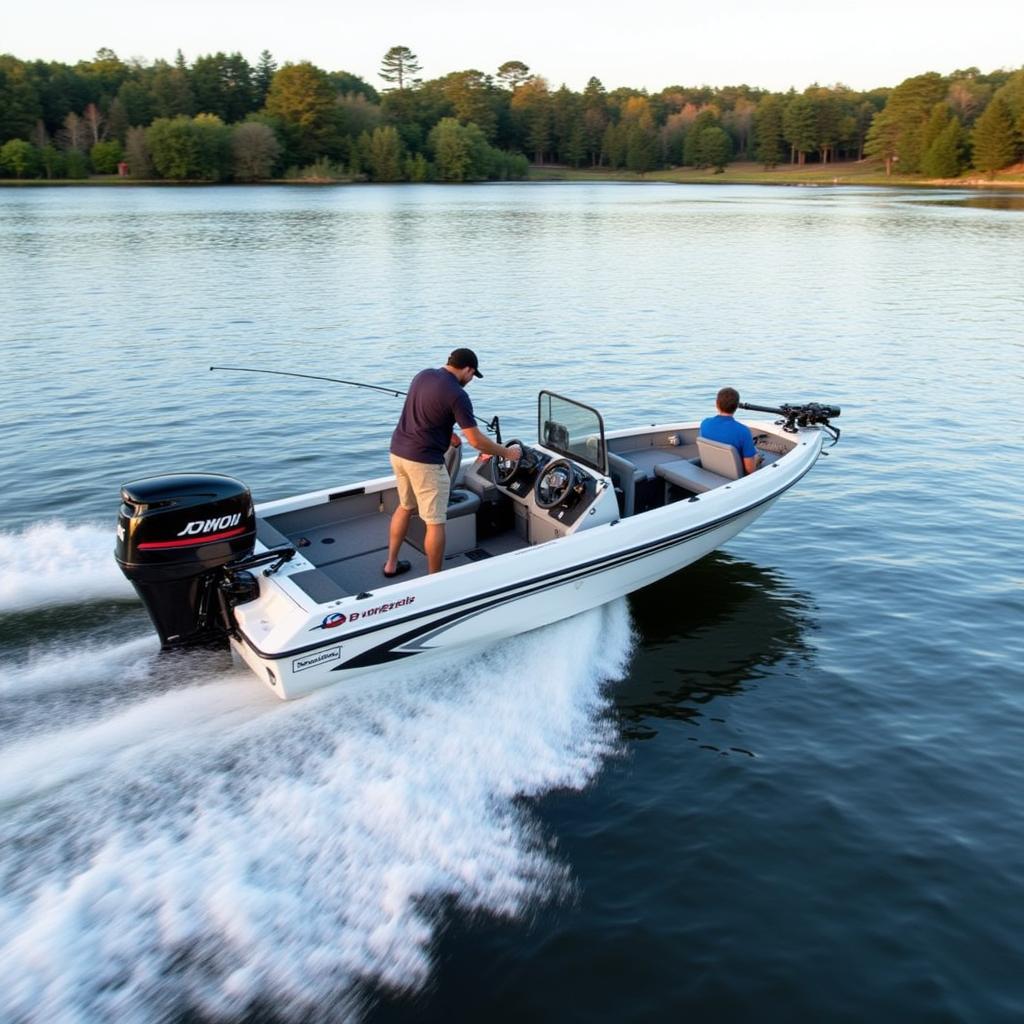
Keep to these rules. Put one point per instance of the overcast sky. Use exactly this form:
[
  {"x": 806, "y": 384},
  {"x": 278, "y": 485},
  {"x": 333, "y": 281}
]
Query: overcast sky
[{"x": 653, "y": 44}]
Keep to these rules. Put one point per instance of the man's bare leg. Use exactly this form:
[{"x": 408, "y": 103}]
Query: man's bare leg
[
  {"x": 396, "y": 535},
  {"x": 433, "y": 544}
]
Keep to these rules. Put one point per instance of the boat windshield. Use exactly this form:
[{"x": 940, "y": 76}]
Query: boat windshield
[{"x": 571, "y": 429}]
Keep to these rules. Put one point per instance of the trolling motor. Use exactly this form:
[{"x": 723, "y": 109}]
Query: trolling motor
[
  {"x": 185, "y": 542},
  {"x": 811, "y": 414}
]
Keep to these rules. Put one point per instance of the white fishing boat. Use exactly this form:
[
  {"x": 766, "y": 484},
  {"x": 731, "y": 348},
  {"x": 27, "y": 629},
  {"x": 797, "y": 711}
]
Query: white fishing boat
[{"x": 296, "y": 587}]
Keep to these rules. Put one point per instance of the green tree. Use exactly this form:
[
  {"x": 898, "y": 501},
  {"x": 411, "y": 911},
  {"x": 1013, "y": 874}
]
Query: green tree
[
  {"x": 451, "y": 150},
  {"x": 52, "y": 161},
  {"x": 714, "y": 148},
  {"x": 471, "y": 95},
  {"x": 213, "y": 139},
  {"x": 576, "y": 148},
  {"x": 417, "y": 168},
  {"x": 399, "y": 67},
  {"x": 385, "y": 154},
  {"x": 565, "y": 114},
  {"x": 768, "y": 132},
  {"x": 19, "y": 159},
  {"x": 828, "y": 117},
  {"x": 223, "y": 85},
  {"x": 897, "y": 132},
  {"x": 1012, "y": 94},
  {"x": 76, "y": 164},
  {"x": 170, "y": 91},
  {"x": 461, "y": 152},
  {"x": 595, "y": 118},
  {"x": 262, "y": 76},
  {"x": 173, "y": 147},
  {"x": 532, "y": 102},
  {"x": 302, "y": 98},
  {"x": 942, "y": 158},
  {"x": 993, "y": 138},
  {"x": 691, "y": 144},
  {"x": 344, "y": 83},
  {"x": 800, "y": 128},
  {"x": 883, "y": 139},
  {"x": 19, "y": 101},
  {"x": 104, "y": 73},
  {"x": 615, "y": 146},
  {"x": 58, "y": 88},
  {"x": 512, "y": 74},
  {"x": 937, "y": 121},
  {"x": 105, "y": 156},
  {"x": 641, "y": 145}
]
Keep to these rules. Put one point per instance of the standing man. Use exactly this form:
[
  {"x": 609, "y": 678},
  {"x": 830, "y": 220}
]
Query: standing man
[
  {"x": 436, "y": 401},
  {"x": 725, "y": 429}
]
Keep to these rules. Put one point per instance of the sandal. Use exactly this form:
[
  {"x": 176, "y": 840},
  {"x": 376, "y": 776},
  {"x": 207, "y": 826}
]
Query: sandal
[{"x": 400, "y": 568}]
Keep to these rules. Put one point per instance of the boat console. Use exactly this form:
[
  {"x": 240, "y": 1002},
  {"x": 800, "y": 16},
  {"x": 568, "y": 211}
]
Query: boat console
[{"x": 556, "y": 488}]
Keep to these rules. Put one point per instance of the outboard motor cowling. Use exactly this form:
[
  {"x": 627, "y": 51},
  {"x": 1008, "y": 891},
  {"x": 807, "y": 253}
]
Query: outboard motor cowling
[{"x": 174, "y": 536}]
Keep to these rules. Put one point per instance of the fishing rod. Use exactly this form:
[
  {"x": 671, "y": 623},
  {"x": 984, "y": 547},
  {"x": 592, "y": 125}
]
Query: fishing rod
[{"x": 492, "y": 425}]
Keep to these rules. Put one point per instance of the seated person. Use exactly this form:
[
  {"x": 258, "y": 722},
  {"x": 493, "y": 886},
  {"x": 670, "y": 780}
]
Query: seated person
[{"x": 725, "y": 429}]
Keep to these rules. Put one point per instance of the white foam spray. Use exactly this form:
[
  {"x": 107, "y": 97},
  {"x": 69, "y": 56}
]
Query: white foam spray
[
  {"x": 54, "y": 563},
  {"x": 208, "y": 849},
  {"x": 54, "y": 666}
]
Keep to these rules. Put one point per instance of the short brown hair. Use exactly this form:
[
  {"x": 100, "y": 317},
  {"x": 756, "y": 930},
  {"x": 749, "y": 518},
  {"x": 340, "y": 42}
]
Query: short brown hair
[{"x": 728, "y": 400}]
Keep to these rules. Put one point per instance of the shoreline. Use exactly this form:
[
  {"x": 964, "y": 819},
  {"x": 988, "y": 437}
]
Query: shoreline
[{"x": 851, "y": 174}]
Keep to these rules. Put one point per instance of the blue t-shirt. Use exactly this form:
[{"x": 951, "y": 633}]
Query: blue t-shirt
[
  {"x": 435, "y": 403},
  {"x": 727, "y": 430}
]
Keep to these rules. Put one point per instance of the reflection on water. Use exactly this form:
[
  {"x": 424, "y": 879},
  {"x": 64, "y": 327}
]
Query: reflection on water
[
  {"x": 996, "y": 201},
  {"x": 708, "y": 632}
]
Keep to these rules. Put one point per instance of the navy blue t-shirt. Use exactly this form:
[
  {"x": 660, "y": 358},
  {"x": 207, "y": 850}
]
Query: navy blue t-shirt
[
  {"x": 726, "y": 430},
  {"x": 435, "y": 403}
]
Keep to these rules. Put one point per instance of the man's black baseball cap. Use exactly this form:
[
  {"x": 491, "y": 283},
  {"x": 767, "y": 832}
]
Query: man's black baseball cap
[{"x": 463, "y": 357}]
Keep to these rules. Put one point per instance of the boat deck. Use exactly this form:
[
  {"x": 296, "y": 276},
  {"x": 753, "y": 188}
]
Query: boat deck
[{"x": 349, "y": 552}]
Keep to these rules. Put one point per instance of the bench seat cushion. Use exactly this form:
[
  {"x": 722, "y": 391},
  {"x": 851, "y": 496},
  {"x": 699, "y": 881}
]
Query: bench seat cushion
[{"x": 689, "y": 476}]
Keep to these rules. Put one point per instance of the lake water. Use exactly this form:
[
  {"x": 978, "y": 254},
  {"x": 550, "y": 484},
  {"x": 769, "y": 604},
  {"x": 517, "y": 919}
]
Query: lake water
[{"x": 785, "y": 784}]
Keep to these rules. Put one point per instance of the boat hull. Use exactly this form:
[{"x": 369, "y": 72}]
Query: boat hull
[{"x": 319, "y": 646}]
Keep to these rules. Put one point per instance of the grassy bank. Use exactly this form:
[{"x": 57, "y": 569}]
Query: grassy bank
[{"x": 863, "y": 172}]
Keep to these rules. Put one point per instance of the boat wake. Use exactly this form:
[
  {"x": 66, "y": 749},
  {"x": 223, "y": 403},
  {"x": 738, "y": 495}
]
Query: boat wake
[
  {"x": 204, "y": 849},
  {"x": 55, "y": 563}
]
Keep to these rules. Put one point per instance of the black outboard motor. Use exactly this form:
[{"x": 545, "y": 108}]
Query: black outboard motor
[{"x": 174, "y": 536}]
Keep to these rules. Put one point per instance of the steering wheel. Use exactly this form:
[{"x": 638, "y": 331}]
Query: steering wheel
[
  {"x": 505, "y": 470},
  {"x": 556, "y": 484}
]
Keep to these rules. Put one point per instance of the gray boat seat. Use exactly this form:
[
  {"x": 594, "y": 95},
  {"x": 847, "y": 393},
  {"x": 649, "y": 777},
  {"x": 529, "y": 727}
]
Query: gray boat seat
[
  {"x": 689, "y": 476},
  {"x": 460, "y": 534},
  {"x": 720, "y": 458},
  {"x": 626, "y": 475},
  {"x": 462, "y": 502}
]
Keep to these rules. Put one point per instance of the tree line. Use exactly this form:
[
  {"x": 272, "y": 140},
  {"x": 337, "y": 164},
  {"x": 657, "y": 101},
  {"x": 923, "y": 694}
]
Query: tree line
[{"x": 221, "y": 118}]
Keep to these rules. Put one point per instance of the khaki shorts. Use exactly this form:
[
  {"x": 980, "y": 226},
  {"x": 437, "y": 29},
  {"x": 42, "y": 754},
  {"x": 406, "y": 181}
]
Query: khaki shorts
[{"x": 422, "y": 487}]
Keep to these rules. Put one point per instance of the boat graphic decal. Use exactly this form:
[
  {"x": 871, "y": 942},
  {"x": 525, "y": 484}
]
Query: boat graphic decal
[
  {"x": 190, "y": 542},
  {"x": 331, "y": 621},
  {"x": 209, "y": 525},
  {"x": 315, "y": 660},
  {"x": 335, "y": 619}
]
